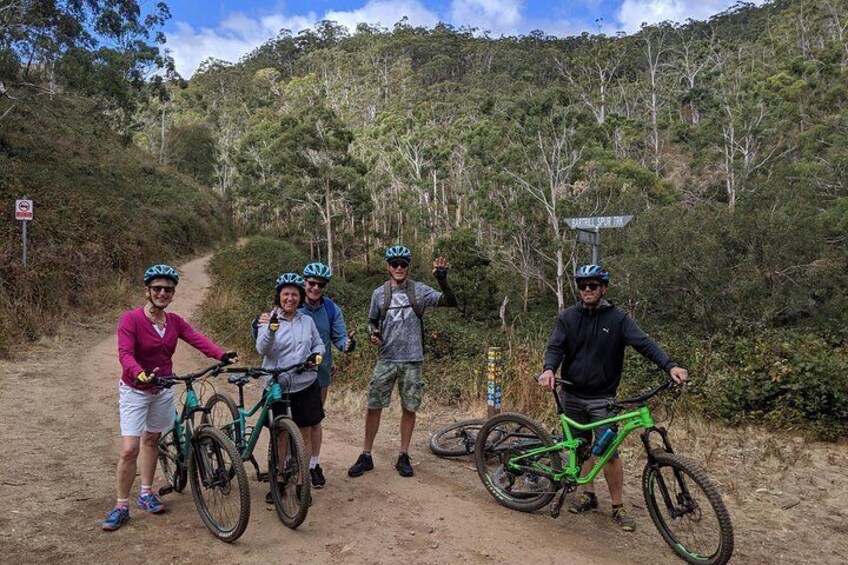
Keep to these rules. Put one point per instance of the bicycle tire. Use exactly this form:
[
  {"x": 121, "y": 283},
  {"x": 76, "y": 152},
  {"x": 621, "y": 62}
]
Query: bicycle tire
[
  {"x": 456, "y": 439},
  {"x": 493, "y": 448},
  {"x": 222, "y": 412},
  {"x": 291, "y": 495},
  {"x": 173, "y": 468},
  {"x": 214, "y": 467},
  {"x": 670, "y": 470}
]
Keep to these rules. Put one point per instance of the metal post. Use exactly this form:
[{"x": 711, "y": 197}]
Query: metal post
[
  {"x": 596, "y": 247},
  {"x": 24, "y": 238},
  {"x": 494, "y": 380}
]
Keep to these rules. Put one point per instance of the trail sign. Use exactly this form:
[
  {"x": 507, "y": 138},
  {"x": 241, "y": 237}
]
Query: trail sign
[
  {"x": 598, "y": 222},
  {"x": 589, "y": 230},
  {"x": 23, "y": 210}
]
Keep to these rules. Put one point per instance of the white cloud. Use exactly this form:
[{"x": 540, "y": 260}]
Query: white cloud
[
  {"x": 236, "y": 36},
  {"x": 385, "y": 13},
  {"x": 498, "y": 16},
  {"x": 633, "y": 13},
  {"x": 238, "y": 33}
]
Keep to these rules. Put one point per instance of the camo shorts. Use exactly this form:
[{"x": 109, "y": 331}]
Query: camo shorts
[{"x": 409, "y": 377}]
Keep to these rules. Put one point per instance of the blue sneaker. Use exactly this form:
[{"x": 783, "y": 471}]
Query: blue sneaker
[
  {"x": 149, "y": 502},
  {"x": 116, "y": 518}
]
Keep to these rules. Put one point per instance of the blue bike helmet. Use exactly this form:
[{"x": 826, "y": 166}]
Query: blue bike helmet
[
  {"x": 161, "y": 272},
  {"x": 592, "y": 272},
  {"x": 290, "y": 279},
  {"x": 318, "y": 270},
  {"x": 398, "y": 252}
]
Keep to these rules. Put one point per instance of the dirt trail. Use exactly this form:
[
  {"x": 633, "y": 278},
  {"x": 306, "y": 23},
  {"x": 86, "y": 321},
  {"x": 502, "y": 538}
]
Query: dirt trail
[{"x": 59, "y": 442}]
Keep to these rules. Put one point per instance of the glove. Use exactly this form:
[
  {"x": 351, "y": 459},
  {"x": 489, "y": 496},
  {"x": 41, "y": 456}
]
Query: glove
[
  {"x": 314, "y": 359},
  {"x": 352, "y": 344},
  {"x": 441, "y": 273},
  {"x": 229, "y": 357},
  {"x": 273, "y": 322},
  {"x": 144, "y": 378}
]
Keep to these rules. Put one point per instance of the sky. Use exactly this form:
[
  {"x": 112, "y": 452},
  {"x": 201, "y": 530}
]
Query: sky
[{"x": 229, "y": 29}]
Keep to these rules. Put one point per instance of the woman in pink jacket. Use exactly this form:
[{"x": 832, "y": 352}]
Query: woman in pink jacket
[{"x": 147, "y": 339}]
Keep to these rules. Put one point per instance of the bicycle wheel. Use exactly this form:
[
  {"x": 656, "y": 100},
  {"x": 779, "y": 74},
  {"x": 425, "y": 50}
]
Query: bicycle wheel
[
  {"x": 456, "y": 439},
  {"x": 219, "y": 484},
  {"x": 687, "y": 509},
  {"x": 169, "y": 460},
  {"x": 504, "y": 438},
  {"x": 223, "y": 413},
  {"x": 288, "y": 472}
]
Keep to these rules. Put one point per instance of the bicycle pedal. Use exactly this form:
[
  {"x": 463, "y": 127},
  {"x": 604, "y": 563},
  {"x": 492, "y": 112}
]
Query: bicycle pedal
[
  {"x": 556, "y": 509},
  {"x": 165, "y": 490}
]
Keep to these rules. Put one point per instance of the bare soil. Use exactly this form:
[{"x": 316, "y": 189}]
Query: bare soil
[{"x": 59, "y": 443}]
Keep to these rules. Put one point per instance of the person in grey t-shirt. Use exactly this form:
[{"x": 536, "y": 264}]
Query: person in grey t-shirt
[{"x": 396, "y": 325}]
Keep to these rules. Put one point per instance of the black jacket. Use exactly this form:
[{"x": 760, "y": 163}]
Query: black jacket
[{"x": 589, "y": 344}]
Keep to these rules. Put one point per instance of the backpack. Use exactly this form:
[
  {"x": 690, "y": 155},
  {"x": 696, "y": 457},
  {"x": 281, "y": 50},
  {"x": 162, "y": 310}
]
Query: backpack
[
  {"x": 413, "y": 303},
  {"x": 329, "y": 305}
]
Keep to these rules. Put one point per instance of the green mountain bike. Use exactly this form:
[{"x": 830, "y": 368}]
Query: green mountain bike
[
  {"x": 289, "y": 467},
  {"x": 206, "y": 457},
  {"x": 523, "y": 468}
]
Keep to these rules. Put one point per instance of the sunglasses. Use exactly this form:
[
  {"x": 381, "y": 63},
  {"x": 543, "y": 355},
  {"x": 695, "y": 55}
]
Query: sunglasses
[
  {"x": 398, "y": 264},
  {"x": 318, "y": 284},
  {"x": 156, "y": 289},
  {"x": 588, "y": 285}
]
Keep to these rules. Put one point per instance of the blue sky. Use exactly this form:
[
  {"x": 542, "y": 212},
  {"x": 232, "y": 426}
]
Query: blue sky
[{"x": 228, "y": 29}]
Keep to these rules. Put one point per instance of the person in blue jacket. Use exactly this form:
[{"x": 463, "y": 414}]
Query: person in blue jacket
[{"x": 329, "y": 320}]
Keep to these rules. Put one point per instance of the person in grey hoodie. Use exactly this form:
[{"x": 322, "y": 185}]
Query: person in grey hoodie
[
  {"x": 587, "y": 344},
  {"x": 290, "y": 338}
]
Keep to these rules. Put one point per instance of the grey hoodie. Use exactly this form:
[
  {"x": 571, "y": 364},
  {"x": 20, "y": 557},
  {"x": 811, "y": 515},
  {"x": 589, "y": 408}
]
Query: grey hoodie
[{"x": 292, "y": 343}]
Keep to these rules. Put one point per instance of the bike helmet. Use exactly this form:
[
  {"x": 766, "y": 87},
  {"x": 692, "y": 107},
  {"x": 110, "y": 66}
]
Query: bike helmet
[
  {"x": 592, "y": 272},
  {"x": 290, "y": 279},
  {"x": 318, "y": 270},
  {"x": 398, "y": 252},
  {"x": 161, "y": 272}
]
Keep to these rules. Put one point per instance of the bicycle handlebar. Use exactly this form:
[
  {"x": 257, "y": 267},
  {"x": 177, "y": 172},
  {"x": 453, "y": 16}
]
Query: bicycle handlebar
[
  {"x": 256, "y": 372},
  {"x": 616, "y": 402},
  {"x": 169, "y": 380}
]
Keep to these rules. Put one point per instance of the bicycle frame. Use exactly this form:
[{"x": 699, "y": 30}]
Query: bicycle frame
[
  {"x": 248, "y": 442},
  {"x": 570, "y": 473},
  {"x": 633, "y": 420}
]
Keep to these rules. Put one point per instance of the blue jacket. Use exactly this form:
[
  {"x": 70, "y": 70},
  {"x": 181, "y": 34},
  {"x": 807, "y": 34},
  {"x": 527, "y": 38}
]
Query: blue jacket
[{"x": 331, "y": 326}]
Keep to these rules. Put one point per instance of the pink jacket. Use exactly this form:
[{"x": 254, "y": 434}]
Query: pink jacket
[{"x": 141, "y": 349}]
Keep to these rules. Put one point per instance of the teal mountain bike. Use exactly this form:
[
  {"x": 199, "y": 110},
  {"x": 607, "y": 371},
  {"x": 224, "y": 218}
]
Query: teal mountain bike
[
  {"x": 523, "y": 467},
  {"x": 208, "y": 459},
  {"x": 288, "y": 466}
]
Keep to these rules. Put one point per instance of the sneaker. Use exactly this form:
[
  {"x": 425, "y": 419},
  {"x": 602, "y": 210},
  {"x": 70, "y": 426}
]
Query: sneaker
[
  {"x": 585, "y": 503},
  {"x": 624, "y": 520},
  {"x": 268, "y": 499},
  {"x": 403, "y": 466},
  {"x": 317, "y": 475},
  {"x": 364, "y": 463},
  {"x": 116, "y": 518},
  {"x": 149, "y": 502}
]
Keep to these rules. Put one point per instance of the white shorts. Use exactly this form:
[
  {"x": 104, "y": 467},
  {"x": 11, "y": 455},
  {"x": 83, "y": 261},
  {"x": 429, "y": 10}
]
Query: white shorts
[{"x": 145, "y": 412}]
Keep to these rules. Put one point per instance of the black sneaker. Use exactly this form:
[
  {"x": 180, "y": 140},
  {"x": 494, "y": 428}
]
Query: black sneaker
[
  {"x": 317, "y": 475},
  {"x": 585, "y": 503},
  {"x": 364, "y": 463},
  {"x": 403, "y": 466}
]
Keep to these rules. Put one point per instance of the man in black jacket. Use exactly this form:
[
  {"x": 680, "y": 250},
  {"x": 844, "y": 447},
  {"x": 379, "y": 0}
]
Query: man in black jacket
[{"x": 588, "y": 343}]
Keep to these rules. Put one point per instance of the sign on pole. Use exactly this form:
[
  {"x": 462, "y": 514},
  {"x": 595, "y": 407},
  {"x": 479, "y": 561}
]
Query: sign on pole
[
  {"x": 23, "y": 210},
  {"x": 494, "y": 380},
  {"x": 589, "y": 230},
  {"x": 598, "y": 222}
]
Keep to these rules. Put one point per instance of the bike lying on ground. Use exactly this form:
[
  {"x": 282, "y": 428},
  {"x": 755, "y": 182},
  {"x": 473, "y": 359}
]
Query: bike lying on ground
[
  {"x": 456, "y": 439},
  {"x": 288, "y": 469},
  {"x": 205, "y": 456},
  {"x": 522, "y": 467}
]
